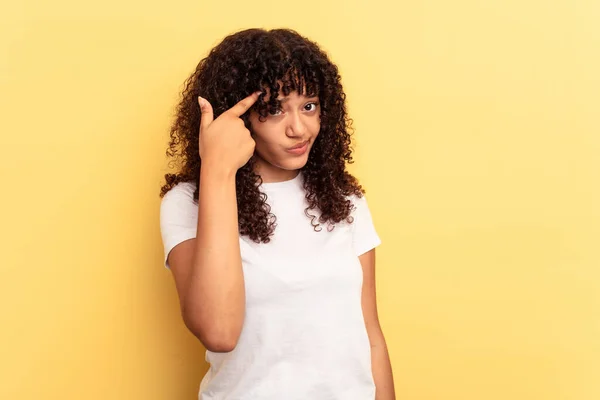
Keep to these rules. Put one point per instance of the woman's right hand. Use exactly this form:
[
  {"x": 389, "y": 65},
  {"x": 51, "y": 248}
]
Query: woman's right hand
[{"x": 225, "y": 142}]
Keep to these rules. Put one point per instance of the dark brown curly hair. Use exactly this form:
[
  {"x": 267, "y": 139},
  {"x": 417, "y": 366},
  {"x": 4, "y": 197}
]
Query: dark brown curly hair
[{"x": 275, "y": 60}]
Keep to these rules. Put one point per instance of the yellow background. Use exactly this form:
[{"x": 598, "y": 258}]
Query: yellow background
[{"x": 478, "y": 140}]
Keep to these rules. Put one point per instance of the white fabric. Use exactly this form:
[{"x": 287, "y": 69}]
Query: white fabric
[{"x": 304, "y": 335}]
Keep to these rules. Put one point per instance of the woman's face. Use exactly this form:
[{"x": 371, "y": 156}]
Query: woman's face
[{"x": 285, "y": 138}]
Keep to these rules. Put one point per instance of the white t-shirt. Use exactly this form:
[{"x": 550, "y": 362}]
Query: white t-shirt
[{"x": 304, "y": 334}]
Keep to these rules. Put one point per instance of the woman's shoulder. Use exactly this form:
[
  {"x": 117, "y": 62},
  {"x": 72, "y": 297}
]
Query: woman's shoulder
[{"x": 180, "y": 192}]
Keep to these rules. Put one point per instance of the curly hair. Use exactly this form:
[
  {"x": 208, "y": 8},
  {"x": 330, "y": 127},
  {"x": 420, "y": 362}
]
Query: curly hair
[{"x": 278, "y": 60}]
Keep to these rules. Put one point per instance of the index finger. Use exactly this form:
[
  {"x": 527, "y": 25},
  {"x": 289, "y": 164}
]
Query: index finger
[{"x": 244, "y": 105}]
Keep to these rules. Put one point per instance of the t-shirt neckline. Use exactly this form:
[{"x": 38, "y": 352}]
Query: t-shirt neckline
[{"x": 283, "y": 184}]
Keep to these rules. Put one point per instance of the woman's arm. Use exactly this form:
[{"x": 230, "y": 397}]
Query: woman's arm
[
  {"x": 380, "y": 360},
  {"x": 208, "y": 270}
]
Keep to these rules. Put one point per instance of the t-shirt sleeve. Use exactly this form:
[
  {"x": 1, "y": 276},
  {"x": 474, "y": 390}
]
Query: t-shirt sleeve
[
  {"x": 178, "y": 217},
  {"x": 364, "y": 235}
]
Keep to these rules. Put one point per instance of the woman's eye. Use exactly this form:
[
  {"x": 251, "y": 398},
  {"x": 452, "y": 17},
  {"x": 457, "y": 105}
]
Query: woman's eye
[
  {"x": 311, "y": 106},
  {"x": 275, "y": 111}
]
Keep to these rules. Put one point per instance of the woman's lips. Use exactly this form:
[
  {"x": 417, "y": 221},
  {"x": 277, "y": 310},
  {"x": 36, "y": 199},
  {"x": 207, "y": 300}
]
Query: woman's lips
[{"x": 299, "y": 149}]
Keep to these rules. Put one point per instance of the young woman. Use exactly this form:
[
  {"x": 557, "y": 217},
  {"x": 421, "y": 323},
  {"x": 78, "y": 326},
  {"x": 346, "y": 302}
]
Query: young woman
[{"x": 269, "y": 238}]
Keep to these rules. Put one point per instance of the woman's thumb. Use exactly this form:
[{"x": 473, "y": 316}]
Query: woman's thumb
[{"x": 206, "y": 112}]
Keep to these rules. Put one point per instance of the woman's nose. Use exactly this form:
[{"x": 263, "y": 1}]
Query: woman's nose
[{"x": 296, "y": 126}]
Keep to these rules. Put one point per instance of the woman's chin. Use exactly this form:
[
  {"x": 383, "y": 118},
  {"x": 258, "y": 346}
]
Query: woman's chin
[
  {"x": 285, "y": 163},
  {"x": 294, "y": 164}
]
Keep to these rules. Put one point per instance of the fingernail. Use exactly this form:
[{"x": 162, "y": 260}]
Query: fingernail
[
  {"x": 258, "y": 93},
  {"x": 201, "y": 101}
]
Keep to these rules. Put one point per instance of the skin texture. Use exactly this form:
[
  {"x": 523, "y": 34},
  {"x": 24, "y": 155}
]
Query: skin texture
[
  {"x": 380, "y": 358},
  {"x": 296, "y": 121}
]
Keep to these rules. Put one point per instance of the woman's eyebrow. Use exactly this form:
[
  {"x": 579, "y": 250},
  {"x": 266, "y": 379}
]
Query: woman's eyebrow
[{"x": 284, "y": 99}]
